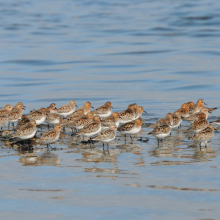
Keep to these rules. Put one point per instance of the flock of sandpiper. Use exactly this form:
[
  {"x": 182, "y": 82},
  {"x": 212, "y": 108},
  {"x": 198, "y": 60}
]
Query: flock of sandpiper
[{"x": 101, "y": 124}]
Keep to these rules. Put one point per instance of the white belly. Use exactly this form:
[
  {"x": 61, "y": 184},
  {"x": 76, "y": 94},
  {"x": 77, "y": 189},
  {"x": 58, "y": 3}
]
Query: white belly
[
  {"x": 105, "y": 115},
  {"x": 28, "y": 136},
  {"x": 161, "y": 136},
  {"x": 133, "y": 131},
  {"x": 92, "y": 133},
  {"x": 67, "y": 113},
  {"x": 54, "y": 122},
  {"x": 38, "y": 122},
  {"x": 13, "y": 121}
]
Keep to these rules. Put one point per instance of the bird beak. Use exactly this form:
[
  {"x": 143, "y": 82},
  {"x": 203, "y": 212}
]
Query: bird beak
[
  {"x": 205, "y": 103},
  {"x": 56, "y": 108},
  {"x": 92, "y": 107},
  {"x": 24, "y": 108},
  {"x": 145, "y": 111},
  {"x": 210, "y": 111},
  {"x": 120, "y": 117},
  {"x": 76, "y": 105}
]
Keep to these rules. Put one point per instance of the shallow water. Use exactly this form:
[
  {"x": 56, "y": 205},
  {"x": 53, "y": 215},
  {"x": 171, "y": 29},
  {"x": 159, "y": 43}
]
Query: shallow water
[{"x": 158, "y": 54}]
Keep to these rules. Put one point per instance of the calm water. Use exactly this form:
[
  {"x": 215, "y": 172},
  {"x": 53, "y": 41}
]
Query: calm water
[{"x": 158, "y": 54}]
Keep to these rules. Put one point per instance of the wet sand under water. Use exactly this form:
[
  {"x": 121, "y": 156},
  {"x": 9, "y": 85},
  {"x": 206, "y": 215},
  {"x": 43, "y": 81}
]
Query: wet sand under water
[{"x": 76, "y": 181}]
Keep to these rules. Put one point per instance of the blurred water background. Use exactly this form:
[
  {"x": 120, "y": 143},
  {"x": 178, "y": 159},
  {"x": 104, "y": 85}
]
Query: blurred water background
[{"x": 158, "y": 54}]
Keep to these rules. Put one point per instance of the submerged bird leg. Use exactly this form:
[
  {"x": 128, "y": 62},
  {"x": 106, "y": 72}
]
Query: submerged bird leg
[
  {"x": 64, "y": 129},
  {"x": 13, "y": 124},
  {"x": 131, "y": 140},
  {"x": 158, "y": 141},
  {"x": 103, "y": 147},
  {"x": 170, "y": 133},
  {"x": 180, "y": 125},
  {"x": 206, "y": 145},
  {"x": 8, "y": 125}
]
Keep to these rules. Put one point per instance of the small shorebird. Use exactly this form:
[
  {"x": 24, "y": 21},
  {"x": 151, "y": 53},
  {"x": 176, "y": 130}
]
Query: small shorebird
[
  {"x": 195, "y": 116},
  {"x": 160, "y": 132},
  {"x": 204, "y": 135},
  {"x": 104, "y": 110},
  {"x": 91, "y": 129},
  {"x": 27, "y": 131},
  {"x": 67, "y": 109},
  {"x": 53, "y": 119},
  {"x": 38, "y": 115},
  {"x": 80, "y": 122},
  {"x": 131, "y": 128},
  {"x": 6, "y": 109},
  {"x": 52, "y": 108},
  {"x": 127, "y": 115},
  {"x": 166, "y": 120},
  {"x": 176, "y": 118},
  {"x": 184, "y": 110},
  {"x": 51, "y": 136},
  {"x": 16, "y": 113},
  {"x": 197, "y": 107},
  {"x": 106, "y": 135},
  {"x": 23, "y": 121},
  {"x": 140, "y": 111},
  {"x": 113, "y": 119},
  {"x": 199, "y": 124},
  {"x": 77, "y": 114},
  {"x": 86, "y": 107}
]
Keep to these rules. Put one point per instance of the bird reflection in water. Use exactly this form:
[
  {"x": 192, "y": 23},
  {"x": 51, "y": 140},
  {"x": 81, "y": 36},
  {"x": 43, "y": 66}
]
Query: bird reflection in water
[{"x": 32, "y": 159}]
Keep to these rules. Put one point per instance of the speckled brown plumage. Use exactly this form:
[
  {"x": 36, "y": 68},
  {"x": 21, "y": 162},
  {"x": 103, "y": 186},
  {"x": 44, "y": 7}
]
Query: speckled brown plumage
[
  {"x": 67, "y": 107},
  {"x": 205, "y": 134},
  {"x": 23, "y": 121},
  {"x": 108, "y": 133},
  {"x": 199, "y": 124},
  {"x": 161, "y": 129}
]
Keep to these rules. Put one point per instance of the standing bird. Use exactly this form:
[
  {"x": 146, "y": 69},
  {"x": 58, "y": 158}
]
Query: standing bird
[
  {"x": 131, "y": 128},
  {"x": 127, "y": 115},
  {"x": 52, "y": 108},
  {"x": 38, "y": 115},
  {"x": 53, "y": 119},
  {"x": 27, "y": 131},
  {"x": 160, "y": 132},
  {"x": 113, "y": 119},
  {"x": 91, "y": 129},
  {"x": 197, "y": 107},
  {"x": 184, "y": 110},
  {"x": 23, "y": 121},
  {"x": 6, "y": 109},
  {"x": 104, "y": 110},
  {"x": 204, "y": 135},
  {"x": 199, "y": 124},
  {"x": 166, "y": 120},
  {"x": 67, "y": 109},
  {"x": 51, "y": 136},
  {"x": 16, "y": 113},
  {"x": 195, "y": 116},
  {"x": 80, "y": 122},
  {"x": 140, "y": 111},
  {"x": 77, "y": 114},
  {"x": 86, "y": 107},
  {"x": 106, "y": 135},
  {"x": 176, "y": 118}
]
